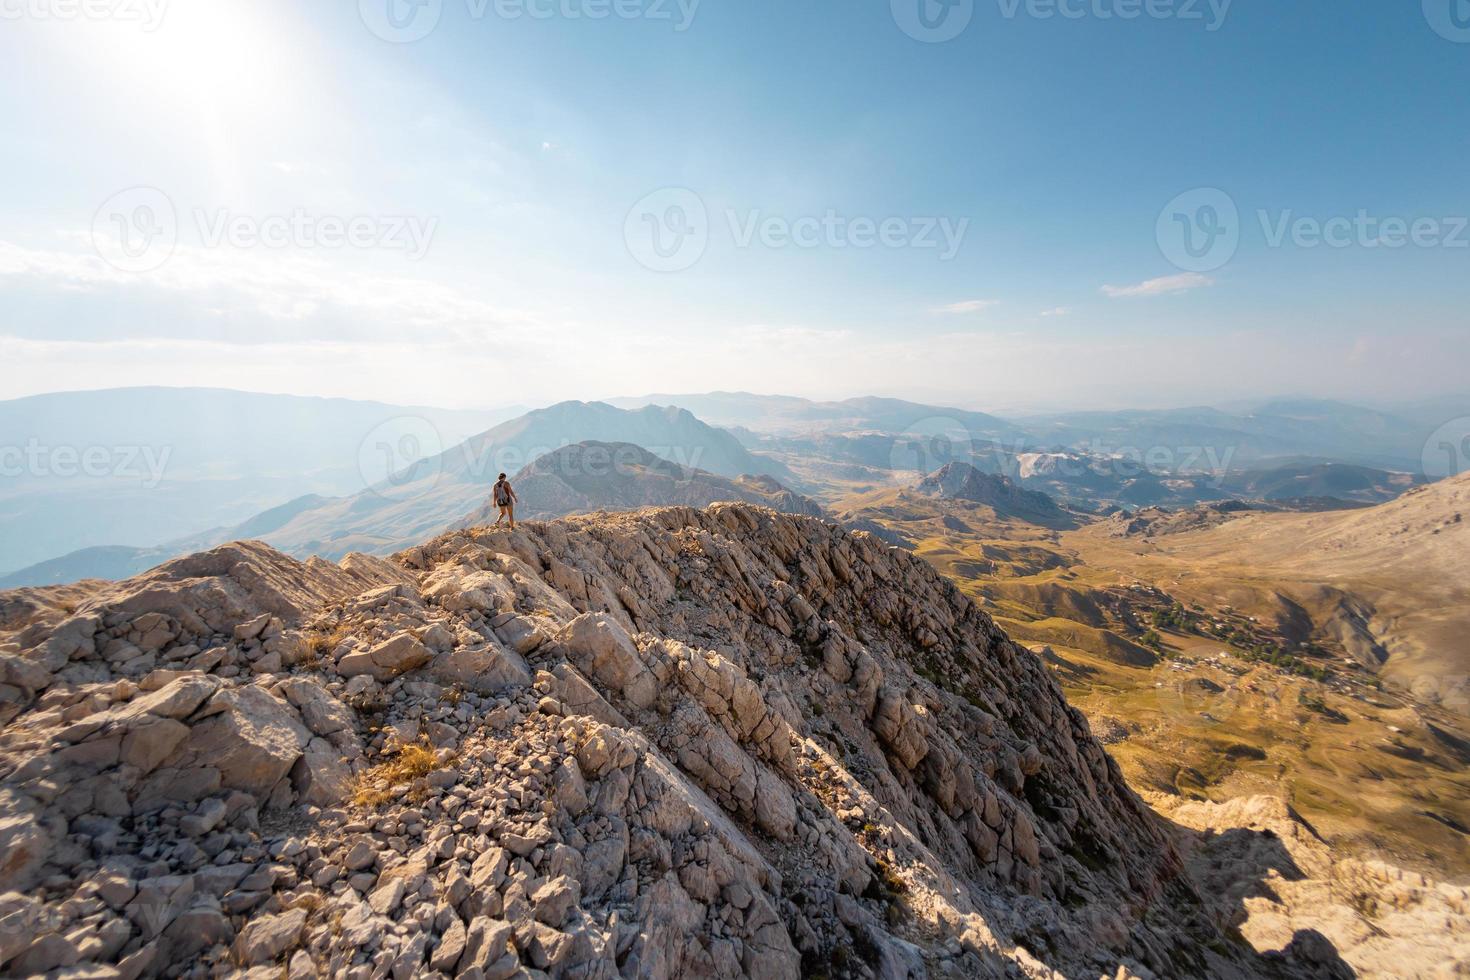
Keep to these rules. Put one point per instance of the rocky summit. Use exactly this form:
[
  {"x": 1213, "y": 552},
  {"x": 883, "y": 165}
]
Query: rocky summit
[
  {"x": 961, "y": 481},
  {"x": 670, "y": 743}
]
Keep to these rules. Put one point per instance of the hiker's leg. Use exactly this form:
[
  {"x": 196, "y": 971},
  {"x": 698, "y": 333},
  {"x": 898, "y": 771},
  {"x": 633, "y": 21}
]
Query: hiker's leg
[{"x": 511, "y": 510}]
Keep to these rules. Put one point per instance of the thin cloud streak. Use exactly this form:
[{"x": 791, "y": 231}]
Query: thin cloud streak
[
  {"x": 965, "y": 306},
  {"x": 1162, "y": 286}
]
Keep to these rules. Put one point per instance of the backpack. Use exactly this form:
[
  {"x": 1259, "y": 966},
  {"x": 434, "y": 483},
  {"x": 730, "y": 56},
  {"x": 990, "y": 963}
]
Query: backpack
[{"x": 502, "y": 494}]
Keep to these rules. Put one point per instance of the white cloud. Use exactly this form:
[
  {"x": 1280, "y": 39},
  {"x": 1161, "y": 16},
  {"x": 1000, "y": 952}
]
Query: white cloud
[
  {"x": 1057, "y": 311},
  {"x": 273, "y": 284},
  {"x": 1163, "y": 286},
  {"x": 966, "y": 306}
]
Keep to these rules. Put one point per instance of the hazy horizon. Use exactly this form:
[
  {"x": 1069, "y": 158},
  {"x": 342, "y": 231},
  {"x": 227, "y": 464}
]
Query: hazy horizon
[{"x": 1459, "y": 399}]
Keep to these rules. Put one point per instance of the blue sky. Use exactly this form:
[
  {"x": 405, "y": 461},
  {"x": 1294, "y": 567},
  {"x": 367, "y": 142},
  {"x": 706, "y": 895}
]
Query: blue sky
[{"x": 502, "y": 169}]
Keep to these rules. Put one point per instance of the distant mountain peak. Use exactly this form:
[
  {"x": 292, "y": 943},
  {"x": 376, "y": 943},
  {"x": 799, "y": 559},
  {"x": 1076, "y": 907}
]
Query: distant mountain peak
[
  {"x": 596, "y": 475},
  {"x": 962, "y": 481}
]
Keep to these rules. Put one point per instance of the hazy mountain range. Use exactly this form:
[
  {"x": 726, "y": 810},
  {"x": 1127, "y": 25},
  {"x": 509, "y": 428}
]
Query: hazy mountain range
[
  {"x": 1325, "y": 430},
  {"x": 787, "y": 414},
  {"x": 178, "y": 469},
  {"x": 139, "y": 466},
  {"x": 432, "y": 493}
]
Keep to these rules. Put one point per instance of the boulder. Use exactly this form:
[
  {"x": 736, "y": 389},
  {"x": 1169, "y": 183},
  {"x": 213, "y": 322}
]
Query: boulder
[
  {"x": 387, "y": 660},
  {"x": 251, "y": 738},
  {"x": 24, "y": 843},
  {"x": 23, "y": 672},
  {"x": 319, "y": 775},
  {"x": 555, "y": 898},
  {"x": 486, "y": 669},
  {"x": 320, "y": 711},
  {"x": 450, "y": 948},
  {"x": 266, "y": 937},
  {"x": 20, "y": 919},
  {"x": 601, "y": 647}
]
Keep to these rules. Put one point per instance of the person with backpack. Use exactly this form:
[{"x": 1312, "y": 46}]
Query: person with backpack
[{"x": 505, "y": 499}]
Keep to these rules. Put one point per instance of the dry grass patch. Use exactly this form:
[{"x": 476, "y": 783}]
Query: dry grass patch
[
  {"x": 320, "y": 644},
  {"x": 394, "y": 777}
]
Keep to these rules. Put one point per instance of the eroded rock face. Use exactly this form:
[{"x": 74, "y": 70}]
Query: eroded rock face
[{"x": 675, "y": 743}]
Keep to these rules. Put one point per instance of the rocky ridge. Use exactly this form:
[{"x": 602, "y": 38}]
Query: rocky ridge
[{"x": 672, "y": 743}]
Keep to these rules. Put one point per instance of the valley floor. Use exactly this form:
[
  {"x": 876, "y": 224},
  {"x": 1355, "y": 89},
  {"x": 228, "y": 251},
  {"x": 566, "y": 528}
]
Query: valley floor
[{"x": 1209, "y": 682}]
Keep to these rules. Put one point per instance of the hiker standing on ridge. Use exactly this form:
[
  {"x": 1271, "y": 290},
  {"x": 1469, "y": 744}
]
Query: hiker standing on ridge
[{"x": 505, "y": 498}]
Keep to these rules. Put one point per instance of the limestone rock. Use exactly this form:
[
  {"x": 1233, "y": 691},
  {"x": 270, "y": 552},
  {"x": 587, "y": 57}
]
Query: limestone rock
[
  {"x": 24, "y": 844},
  {"x": 251, "y": 738},
  {"x": 268, "y": 936},
  {"x": 387, "y": 660},
  {"x": 489, "y": 669},
  {"x": 603, "y": 648}
]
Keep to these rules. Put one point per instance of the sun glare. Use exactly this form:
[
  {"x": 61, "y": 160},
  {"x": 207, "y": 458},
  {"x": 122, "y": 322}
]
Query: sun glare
[{"x": 216, "y": 57}]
